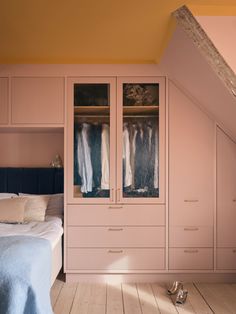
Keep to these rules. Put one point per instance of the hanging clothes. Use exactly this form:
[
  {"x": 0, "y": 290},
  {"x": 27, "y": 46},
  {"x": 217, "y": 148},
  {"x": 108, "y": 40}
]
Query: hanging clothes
[
  {"x": 84, "y": 159},
  {"x": 156, "y": 163},
  {"x": 126, "y": 157},
  {"x": 95, "y": 143},
  {"x": 133, "y": 133},
  {"x": 105, "y": 157}
]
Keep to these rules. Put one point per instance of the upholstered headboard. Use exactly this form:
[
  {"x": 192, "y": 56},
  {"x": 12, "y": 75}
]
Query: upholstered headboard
[{"x": 31, "y": 180}]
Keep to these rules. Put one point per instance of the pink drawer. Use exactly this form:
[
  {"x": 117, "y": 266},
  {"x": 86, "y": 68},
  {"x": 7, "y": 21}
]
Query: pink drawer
[
  {"x": 191, "y": 236},
  {"x": 115, "y": 259},
  {"x": 191, "y": 211},
  {"x": 190, "y": 258},
  {"x": 116, "y": 236},
  {"x": 226, "y": 258},
  {"x": 115, "y": 215}
]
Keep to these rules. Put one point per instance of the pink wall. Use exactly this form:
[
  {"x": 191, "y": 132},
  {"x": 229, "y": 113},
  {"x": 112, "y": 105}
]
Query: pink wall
[
  {"x": 30, "y": 149},
  {"x": 221, "y": 30}
]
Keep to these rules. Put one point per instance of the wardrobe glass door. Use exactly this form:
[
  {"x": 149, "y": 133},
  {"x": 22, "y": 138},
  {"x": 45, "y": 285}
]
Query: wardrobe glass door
[
  {"x": 93, "y": 165},
  {"x": 139, "y": 106}
]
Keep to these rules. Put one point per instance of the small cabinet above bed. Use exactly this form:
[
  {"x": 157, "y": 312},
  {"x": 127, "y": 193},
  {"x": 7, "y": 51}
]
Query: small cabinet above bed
[{"x": 37, "y": 100}]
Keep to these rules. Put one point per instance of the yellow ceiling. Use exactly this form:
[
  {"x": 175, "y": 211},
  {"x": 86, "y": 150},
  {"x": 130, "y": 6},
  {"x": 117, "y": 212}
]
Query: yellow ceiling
[{"x": 92, "y": 31}]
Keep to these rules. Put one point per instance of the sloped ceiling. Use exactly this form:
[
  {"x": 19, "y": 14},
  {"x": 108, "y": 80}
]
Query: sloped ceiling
[
  {"x": 193, "y": 63},
  {"x": 91, "y": 31}
]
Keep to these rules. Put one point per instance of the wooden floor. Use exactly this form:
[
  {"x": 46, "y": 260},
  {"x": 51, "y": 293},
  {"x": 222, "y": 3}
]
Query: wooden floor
[{"x": 140, "y": 299}]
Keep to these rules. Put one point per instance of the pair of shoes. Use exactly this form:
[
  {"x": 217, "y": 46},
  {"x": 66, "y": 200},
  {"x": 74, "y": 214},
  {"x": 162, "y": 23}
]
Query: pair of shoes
[
  {"x": 177, "y": 285},
  {"x": 181, "y": 297},
  {"x": 177, "y": 289}
]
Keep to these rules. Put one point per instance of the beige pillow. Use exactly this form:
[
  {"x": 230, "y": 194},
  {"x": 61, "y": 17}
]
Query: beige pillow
[
  {"x": 12, "y": 209},
  {"x": 55, "y": 205},
  {"x": 35, "y": 208}
]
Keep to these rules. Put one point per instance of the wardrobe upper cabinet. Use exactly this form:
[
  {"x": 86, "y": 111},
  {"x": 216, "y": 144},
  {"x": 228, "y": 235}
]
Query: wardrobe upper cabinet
[
  {"x": 91, "y": 128},
  {"x": 116, "y": 135},
  {"x": 37, "y": 100},
  {"x": 141, "y": 140},
  {"x": 4, "y": 85}
]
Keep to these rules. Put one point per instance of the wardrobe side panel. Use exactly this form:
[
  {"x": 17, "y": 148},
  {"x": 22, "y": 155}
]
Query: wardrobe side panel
[
  {"x": 191, "y": 162},
  {"x": 226, "y": 190},
  {"x": 4, "y": 100},
  {"x": 37, "y": 100}
]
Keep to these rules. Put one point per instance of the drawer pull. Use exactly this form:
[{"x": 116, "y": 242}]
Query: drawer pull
[
  {"x": 115, "y": 251},
  {"x": 115, "y": 229},
  {"x": 190, "y": 251},
  {"x": 115, "y": 207},
  {"x": 191, "y": 201},
  {"x": 234, "y": 200},
  {"x": 234, "y": 251},
  {"x": 191, "y": 229}
]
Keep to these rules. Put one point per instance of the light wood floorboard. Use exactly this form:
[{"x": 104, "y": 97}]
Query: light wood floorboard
[
  {"x": 114, "y": 299},
  {"x": 216, "y": 295},
  {"x": 141, "y": 298}
]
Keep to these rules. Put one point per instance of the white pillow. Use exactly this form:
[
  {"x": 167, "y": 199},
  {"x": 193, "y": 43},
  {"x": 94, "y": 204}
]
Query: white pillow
[
  {"x": 12, "y": 209},
  {"x": 7, "y": 195}
]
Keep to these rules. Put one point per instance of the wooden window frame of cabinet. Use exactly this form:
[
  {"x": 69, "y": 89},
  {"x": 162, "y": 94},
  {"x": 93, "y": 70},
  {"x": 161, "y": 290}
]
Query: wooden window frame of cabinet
[
  {"x": 70, "y": 139},
  {"x": 141, "y": 80}
]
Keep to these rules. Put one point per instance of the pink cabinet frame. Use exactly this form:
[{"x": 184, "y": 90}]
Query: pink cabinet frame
[
  {"x": 161, "y": 82},
  {"x": 70, "y": 136}
]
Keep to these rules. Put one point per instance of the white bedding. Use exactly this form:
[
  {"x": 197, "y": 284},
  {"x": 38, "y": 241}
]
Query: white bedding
[{"x": 51, "y": 229}]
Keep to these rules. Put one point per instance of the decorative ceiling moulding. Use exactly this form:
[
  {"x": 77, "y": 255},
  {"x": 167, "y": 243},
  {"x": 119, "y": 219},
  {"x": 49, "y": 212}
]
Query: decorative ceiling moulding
[{"x": 186, "y": 20}]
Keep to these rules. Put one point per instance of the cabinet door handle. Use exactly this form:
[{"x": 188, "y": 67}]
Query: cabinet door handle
[
  {"x": 115, "y": 251},
  {"x": 191, "y": 229},
  {"x": 234, "y": 251},
  {"x": 118, "y": 195},
  {"x": 115, "y": 229},
  {"x": 234, "y": 200},
  {"x": 191, "y": 201},
  {"x": 190, "y": 251},
  {"x": 115, "y": 207}
]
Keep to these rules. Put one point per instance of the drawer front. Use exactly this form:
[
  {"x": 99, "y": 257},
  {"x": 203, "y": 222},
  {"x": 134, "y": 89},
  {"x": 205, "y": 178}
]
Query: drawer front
[
  {"x": 191, "y": 211},
  {"x": 116, "y": 236},
  {"x": 115, "y": 259},
  {"x": 115, "y": 215},
  {"x": 226, "y": 258},
  {"x": 191, "y": 236},
  {"x": 226, "y": 235},
  {"x": 191, "y": 258}
]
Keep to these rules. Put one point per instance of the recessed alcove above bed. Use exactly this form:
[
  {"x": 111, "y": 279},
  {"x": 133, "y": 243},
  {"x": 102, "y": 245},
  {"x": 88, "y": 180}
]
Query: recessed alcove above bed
[{"x": 30, "y": 147}]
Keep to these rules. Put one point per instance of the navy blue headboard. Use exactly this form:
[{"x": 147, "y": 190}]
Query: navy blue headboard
[{"x": 31, "y": 180}]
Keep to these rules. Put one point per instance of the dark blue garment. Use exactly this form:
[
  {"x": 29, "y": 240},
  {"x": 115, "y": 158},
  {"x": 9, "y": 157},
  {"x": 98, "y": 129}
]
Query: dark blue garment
[
  {"x": 95, "y": 145},
  {"x": 77, "y": 178}
]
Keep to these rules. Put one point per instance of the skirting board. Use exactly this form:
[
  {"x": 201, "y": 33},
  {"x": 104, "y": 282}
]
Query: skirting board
[{"x": 187, "y": 277}]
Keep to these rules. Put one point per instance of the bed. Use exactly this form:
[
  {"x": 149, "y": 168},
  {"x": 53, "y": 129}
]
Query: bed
[{"x": 27, "y": 182}]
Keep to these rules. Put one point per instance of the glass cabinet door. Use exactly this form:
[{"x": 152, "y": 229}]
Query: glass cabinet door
[
  {"x": 141, "y": 107},
  {"x": 93, "y": 139}
]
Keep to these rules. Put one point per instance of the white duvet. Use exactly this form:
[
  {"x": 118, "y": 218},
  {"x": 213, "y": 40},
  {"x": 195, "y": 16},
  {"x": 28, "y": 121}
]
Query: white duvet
[{"x": 50, "y": 229}]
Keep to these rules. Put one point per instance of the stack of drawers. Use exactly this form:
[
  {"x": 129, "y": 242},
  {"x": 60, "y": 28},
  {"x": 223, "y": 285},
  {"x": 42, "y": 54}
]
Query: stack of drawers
[
  {"x": 116, "y": 238},
  {"x": 191, "y": 237}
]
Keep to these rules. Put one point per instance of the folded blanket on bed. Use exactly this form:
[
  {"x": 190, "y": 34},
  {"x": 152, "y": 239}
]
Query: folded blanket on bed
[{"x": 25, "y": 275}]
